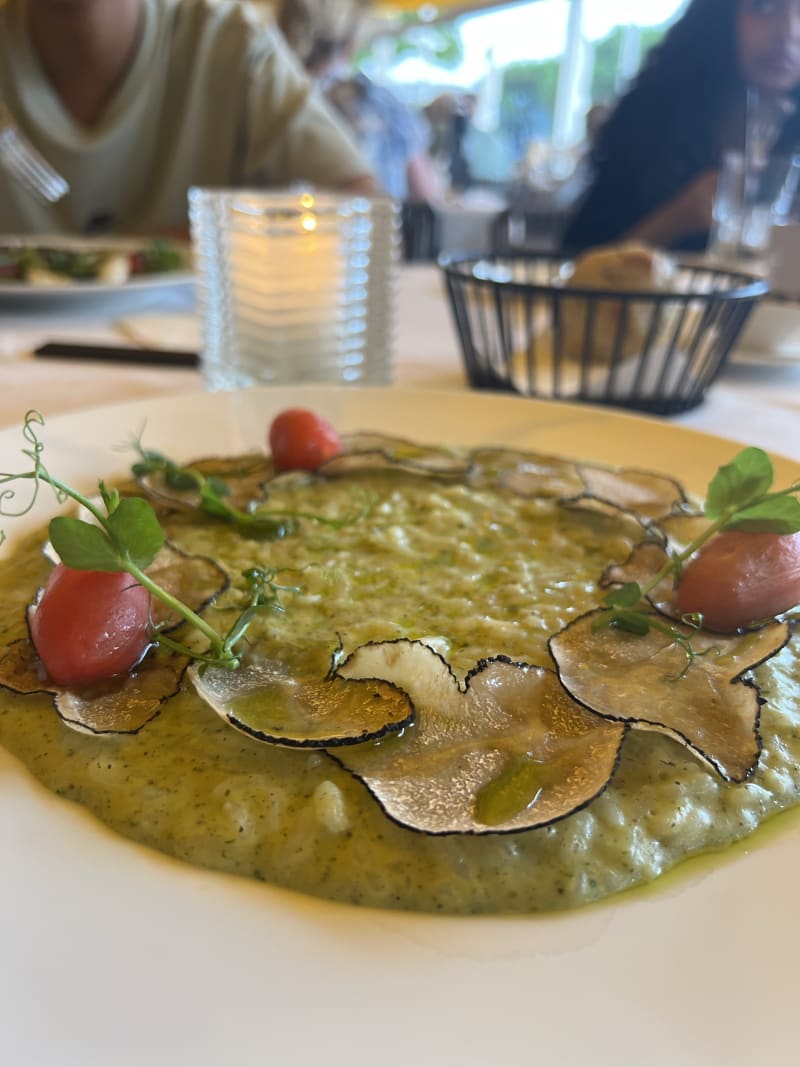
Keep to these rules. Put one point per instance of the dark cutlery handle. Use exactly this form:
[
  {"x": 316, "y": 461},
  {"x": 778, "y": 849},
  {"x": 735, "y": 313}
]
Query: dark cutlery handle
[{"x": 118, "y": 354}]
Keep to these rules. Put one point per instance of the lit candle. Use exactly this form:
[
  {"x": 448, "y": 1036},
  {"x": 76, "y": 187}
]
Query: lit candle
[
  {"x": 288, "y": 283},
  {"x": 286, "y": 269}
]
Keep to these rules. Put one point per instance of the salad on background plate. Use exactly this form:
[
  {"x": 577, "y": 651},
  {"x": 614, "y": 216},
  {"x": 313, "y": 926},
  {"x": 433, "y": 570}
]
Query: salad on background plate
[{"x": 72, "y": 265}]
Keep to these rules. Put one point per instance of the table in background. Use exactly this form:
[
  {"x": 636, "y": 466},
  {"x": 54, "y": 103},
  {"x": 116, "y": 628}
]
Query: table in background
[{"x": 751, "y": 403}]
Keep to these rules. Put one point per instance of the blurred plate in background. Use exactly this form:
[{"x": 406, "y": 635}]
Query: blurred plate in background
[{"x": 772, "y": 333}]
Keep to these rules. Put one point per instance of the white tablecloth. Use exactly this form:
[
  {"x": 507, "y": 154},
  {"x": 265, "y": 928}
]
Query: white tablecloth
[{"x": 753, "y": 404}]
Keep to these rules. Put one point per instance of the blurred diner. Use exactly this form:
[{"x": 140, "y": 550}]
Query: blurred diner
[
  {"x": 725, "y": 77},
  {"x": 449, "y": 116},
  {"x": 325, "y": 35},
  {"x": 134, "y": 101}
]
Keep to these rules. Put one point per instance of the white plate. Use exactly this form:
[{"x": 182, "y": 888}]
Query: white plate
[
  {"x": 111, "y": 954},
  {"x": 19, "y": 291}
]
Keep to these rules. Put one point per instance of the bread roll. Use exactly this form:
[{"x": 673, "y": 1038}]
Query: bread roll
[{"x": 624, "y": 269}]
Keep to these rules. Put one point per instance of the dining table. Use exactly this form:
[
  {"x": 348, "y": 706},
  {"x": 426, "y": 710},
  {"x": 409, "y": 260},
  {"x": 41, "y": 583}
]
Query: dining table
[
  {"x": 754, "y": 401},
  {"x": 114, "y": 955}
]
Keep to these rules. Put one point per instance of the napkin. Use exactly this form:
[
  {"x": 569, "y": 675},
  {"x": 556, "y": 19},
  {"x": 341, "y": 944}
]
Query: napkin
[{"x": 179, "y": 331}]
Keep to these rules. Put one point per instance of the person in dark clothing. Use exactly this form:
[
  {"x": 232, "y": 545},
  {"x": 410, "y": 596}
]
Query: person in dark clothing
[{"x": 655, "y": 165}]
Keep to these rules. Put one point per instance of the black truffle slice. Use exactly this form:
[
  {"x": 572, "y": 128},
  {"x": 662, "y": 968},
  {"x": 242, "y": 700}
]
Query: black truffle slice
[
  {"x": 195, "y": 580},
  {"x": 507, "y": 751},
  {"x": 646, "y": 495},
  {"x": 374, "y": 451},
  {"x": 707, "y": 704},
  {"x": 121, "y": 705},
  {"x": 244, "y": 478},
  {"x": 266, "y": 700},
  {"x": 530, "y": 474},
  {"x": 645, "y": 561}
]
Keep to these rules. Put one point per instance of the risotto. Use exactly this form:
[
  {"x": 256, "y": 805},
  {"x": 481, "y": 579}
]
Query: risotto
[{"x": 474, "y": 571}]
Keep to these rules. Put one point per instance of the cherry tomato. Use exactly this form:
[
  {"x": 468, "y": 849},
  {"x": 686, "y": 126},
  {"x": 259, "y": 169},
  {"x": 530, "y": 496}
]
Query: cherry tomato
[
  {"x": 90, "y": 625},
  {"x": 737, "y": 579},
  {"x": 299, "y": 440}
]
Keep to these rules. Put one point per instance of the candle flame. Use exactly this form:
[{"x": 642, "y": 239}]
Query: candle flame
[{"x": 309, "y": 222}]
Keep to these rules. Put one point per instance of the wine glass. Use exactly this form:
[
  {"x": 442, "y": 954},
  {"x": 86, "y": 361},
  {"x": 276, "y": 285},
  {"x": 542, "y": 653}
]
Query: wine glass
[
  {"x": 756, "y": 188},
  {"x": 765, "y": 116}
]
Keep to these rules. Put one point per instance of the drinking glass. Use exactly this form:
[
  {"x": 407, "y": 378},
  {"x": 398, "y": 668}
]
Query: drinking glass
[{"x": 751, "y": 198}]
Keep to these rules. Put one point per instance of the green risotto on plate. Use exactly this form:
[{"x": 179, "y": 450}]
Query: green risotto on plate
[{"x": 463, "y": 682}]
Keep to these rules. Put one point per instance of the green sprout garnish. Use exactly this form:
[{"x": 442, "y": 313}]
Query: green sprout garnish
[
  {"x": 212, "y": 496},
  {"x": 127, "y": 536},
  {"x": 739, "y": 497},
  {"x": 213, "y": 493}
]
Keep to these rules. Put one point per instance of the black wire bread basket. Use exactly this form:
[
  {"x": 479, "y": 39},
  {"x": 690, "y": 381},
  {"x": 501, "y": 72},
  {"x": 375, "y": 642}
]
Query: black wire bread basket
[{"x": 526, "y": 328}]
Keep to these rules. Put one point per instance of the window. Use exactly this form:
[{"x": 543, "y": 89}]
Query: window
[{"x": 525, "y": 74}]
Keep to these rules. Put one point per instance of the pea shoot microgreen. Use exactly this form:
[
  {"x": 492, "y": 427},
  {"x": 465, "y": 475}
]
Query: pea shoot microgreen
[
  {"x": 213, "y": 493},
  {"x": 126, "y": 536},
  {"x": 739, "y": 497}
]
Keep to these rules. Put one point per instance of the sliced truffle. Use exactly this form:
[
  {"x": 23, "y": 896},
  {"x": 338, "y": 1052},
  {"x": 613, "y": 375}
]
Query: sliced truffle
[
  {"x": 266, "y": 700},
  {"x": 121, "y": 705},
  {"x": 646, "y": 681},
  {"x": 680, "y": 530},
  {"x": 508, "y": 751},
  {"x": 642, "y": 494},
  {"x": 528, "y": 474},
  {"x": 645, "y": 561},
  {"x": 243, "y": 478},
  {"x": 374, "y": 451},
  {"x": 195, "y": 580}
]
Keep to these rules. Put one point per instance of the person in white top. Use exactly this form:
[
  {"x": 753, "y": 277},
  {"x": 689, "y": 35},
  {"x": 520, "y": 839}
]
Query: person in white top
[{"x": 135, "y": 101}]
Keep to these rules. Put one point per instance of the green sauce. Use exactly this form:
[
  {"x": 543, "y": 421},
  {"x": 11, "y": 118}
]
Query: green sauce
[{"x": 516, "y": 789}]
